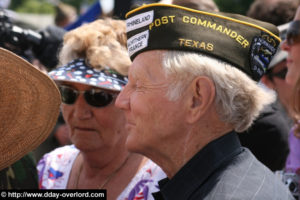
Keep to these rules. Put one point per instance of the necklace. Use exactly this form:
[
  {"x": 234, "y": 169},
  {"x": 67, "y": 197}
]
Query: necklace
[{"x": 108, "y": 178}]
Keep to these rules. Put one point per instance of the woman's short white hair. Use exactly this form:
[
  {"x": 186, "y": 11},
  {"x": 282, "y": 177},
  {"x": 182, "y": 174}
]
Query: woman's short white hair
[{"x": 238, "y": 100}]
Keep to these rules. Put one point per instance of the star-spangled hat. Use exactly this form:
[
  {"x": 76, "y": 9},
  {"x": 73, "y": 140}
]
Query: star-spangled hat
[
  {"x": 243, "y": 42},
  {"x": 79, "y": 71}
]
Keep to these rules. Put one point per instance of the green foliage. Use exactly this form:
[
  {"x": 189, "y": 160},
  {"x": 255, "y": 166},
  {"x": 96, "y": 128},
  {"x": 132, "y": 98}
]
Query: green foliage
[
  {"x": 234, "y": 6},
  {"x": 32, "y": 6},
  {"x": 43, "y": 6},
  {"x": 77, "y": 3}
]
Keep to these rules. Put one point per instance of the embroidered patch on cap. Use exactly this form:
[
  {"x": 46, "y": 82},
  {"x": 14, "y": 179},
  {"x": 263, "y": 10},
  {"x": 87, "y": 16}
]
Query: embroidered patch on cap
[
  {"x": 261, "y": 53},
  {"x": 77, "y": 71},
  {"x": 243, "y": 42}
]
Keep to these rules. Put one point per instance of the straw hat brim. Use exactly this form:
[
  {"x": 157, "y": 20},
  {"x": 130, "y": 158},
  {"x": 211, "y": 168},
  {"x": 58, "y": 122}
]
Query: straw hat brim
[{"x": 29, "y": 107}]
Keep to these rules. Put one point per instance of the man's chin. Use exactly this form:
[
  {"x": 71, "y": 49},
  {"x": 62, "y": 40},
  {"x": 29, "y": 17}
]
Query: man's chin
[{"x": 132, "y": 144}]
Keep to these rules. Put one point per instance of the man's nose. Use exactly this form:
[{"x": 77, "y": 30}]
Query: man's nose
[{"x": 122, "y": 100}]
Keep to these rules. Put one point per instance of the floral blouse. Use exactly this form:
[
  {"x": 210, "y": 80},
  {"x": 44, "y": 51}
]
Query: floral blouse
[{"x": 54, "y": 169}]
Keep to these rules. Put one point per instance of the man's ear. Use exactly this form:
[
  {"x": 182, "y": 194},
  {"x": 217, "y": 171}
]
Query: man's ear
[
  {"x": 201, "y": 97},
  {"x": 265, "y": 80}
]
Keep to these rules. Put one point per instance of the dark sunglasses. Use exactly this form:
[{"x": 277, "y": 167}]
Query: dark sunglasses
[
  {"x": 293, "y": 33},
  {"x": 94, "y": 97},
  {"x": 280, "y": 74}
]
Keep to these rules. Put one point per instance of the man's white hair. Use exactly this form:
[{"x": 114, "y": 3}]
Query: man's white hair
[{"x": 238, "y": 99}]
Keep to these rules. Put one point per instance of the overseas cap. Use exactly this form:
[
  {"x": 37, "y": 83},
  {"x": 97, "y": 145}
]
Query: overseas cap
[{"x": 245, "y": 43}]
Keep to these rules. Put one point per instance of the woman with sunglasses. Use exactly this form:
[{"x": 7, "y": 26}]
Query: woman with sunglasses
[
  {"x": 291, "y": 174},
  {"x": 95, "y": 61},
  {"x": 292, "y": 45}
]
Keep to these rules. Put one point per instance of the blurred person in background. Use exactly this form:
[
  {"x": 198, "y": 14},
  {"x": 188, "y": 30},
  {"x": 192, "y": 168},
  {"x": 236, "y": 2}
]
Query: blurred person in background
[
  {"x": 121, "y": 7},
  {"x": 93, "y": 67},
  {"x": 206, "y": 5},
  {"x": 65, "y": 15},
  {"x": 292, "y": 45},
  {"x": 296, "y": 105},
  {"x": 274, "y": 143},
  {"x": 277, "y": 12},
  {"x": 267, "y": 138},
  {"x": 291, "y": 174},
  {"x": 275, "y": 77},
  {"x": 45, "y": 55}
]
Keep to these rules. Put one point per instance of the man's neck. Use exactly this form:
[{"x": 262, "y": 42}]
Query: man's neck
[{"x": 179, "y": 151}]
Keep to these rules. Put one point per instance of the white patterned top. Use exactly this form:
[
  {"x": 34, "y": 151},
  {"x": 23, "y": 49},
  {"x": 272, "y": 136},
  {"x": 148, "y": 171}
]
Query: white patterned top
[{"x": 55, "y": 167}]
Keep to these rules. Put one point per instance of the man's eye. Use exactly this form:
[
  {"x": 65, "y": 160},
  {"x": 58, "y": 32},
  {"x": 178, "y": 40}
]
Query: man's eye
[
  {"x": 138, "y": 85},
  {"x": 130, "y": 84}
]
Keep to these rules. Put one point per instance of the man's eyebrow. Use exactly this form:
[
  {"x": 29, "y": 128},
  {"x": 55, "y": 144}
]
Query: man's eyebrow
[{"x": 132, "y": 75}]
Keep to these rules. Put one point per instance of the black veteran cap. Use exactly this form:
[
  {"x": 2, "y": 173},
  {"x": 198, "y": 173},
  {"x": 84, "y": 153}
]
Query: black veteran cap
[{"x": 243, "y": 42}]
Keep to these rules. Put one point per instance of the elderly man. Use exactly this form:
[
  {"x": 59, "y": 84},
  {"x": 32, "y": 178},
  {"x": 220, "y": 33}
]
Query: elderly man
[{"x": 191, "y": 88}]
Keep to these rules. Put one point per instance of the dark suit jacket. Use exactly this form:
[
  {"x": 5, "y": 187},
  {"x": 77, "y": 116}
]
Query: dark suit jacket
[{"x": 223, "y": 170}]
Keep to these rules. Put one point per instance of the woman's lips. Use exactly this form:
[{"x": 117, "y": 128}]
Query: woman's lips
[
  {"x": 84, "y": 129},
  {"x": 289, "y": 62}
]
